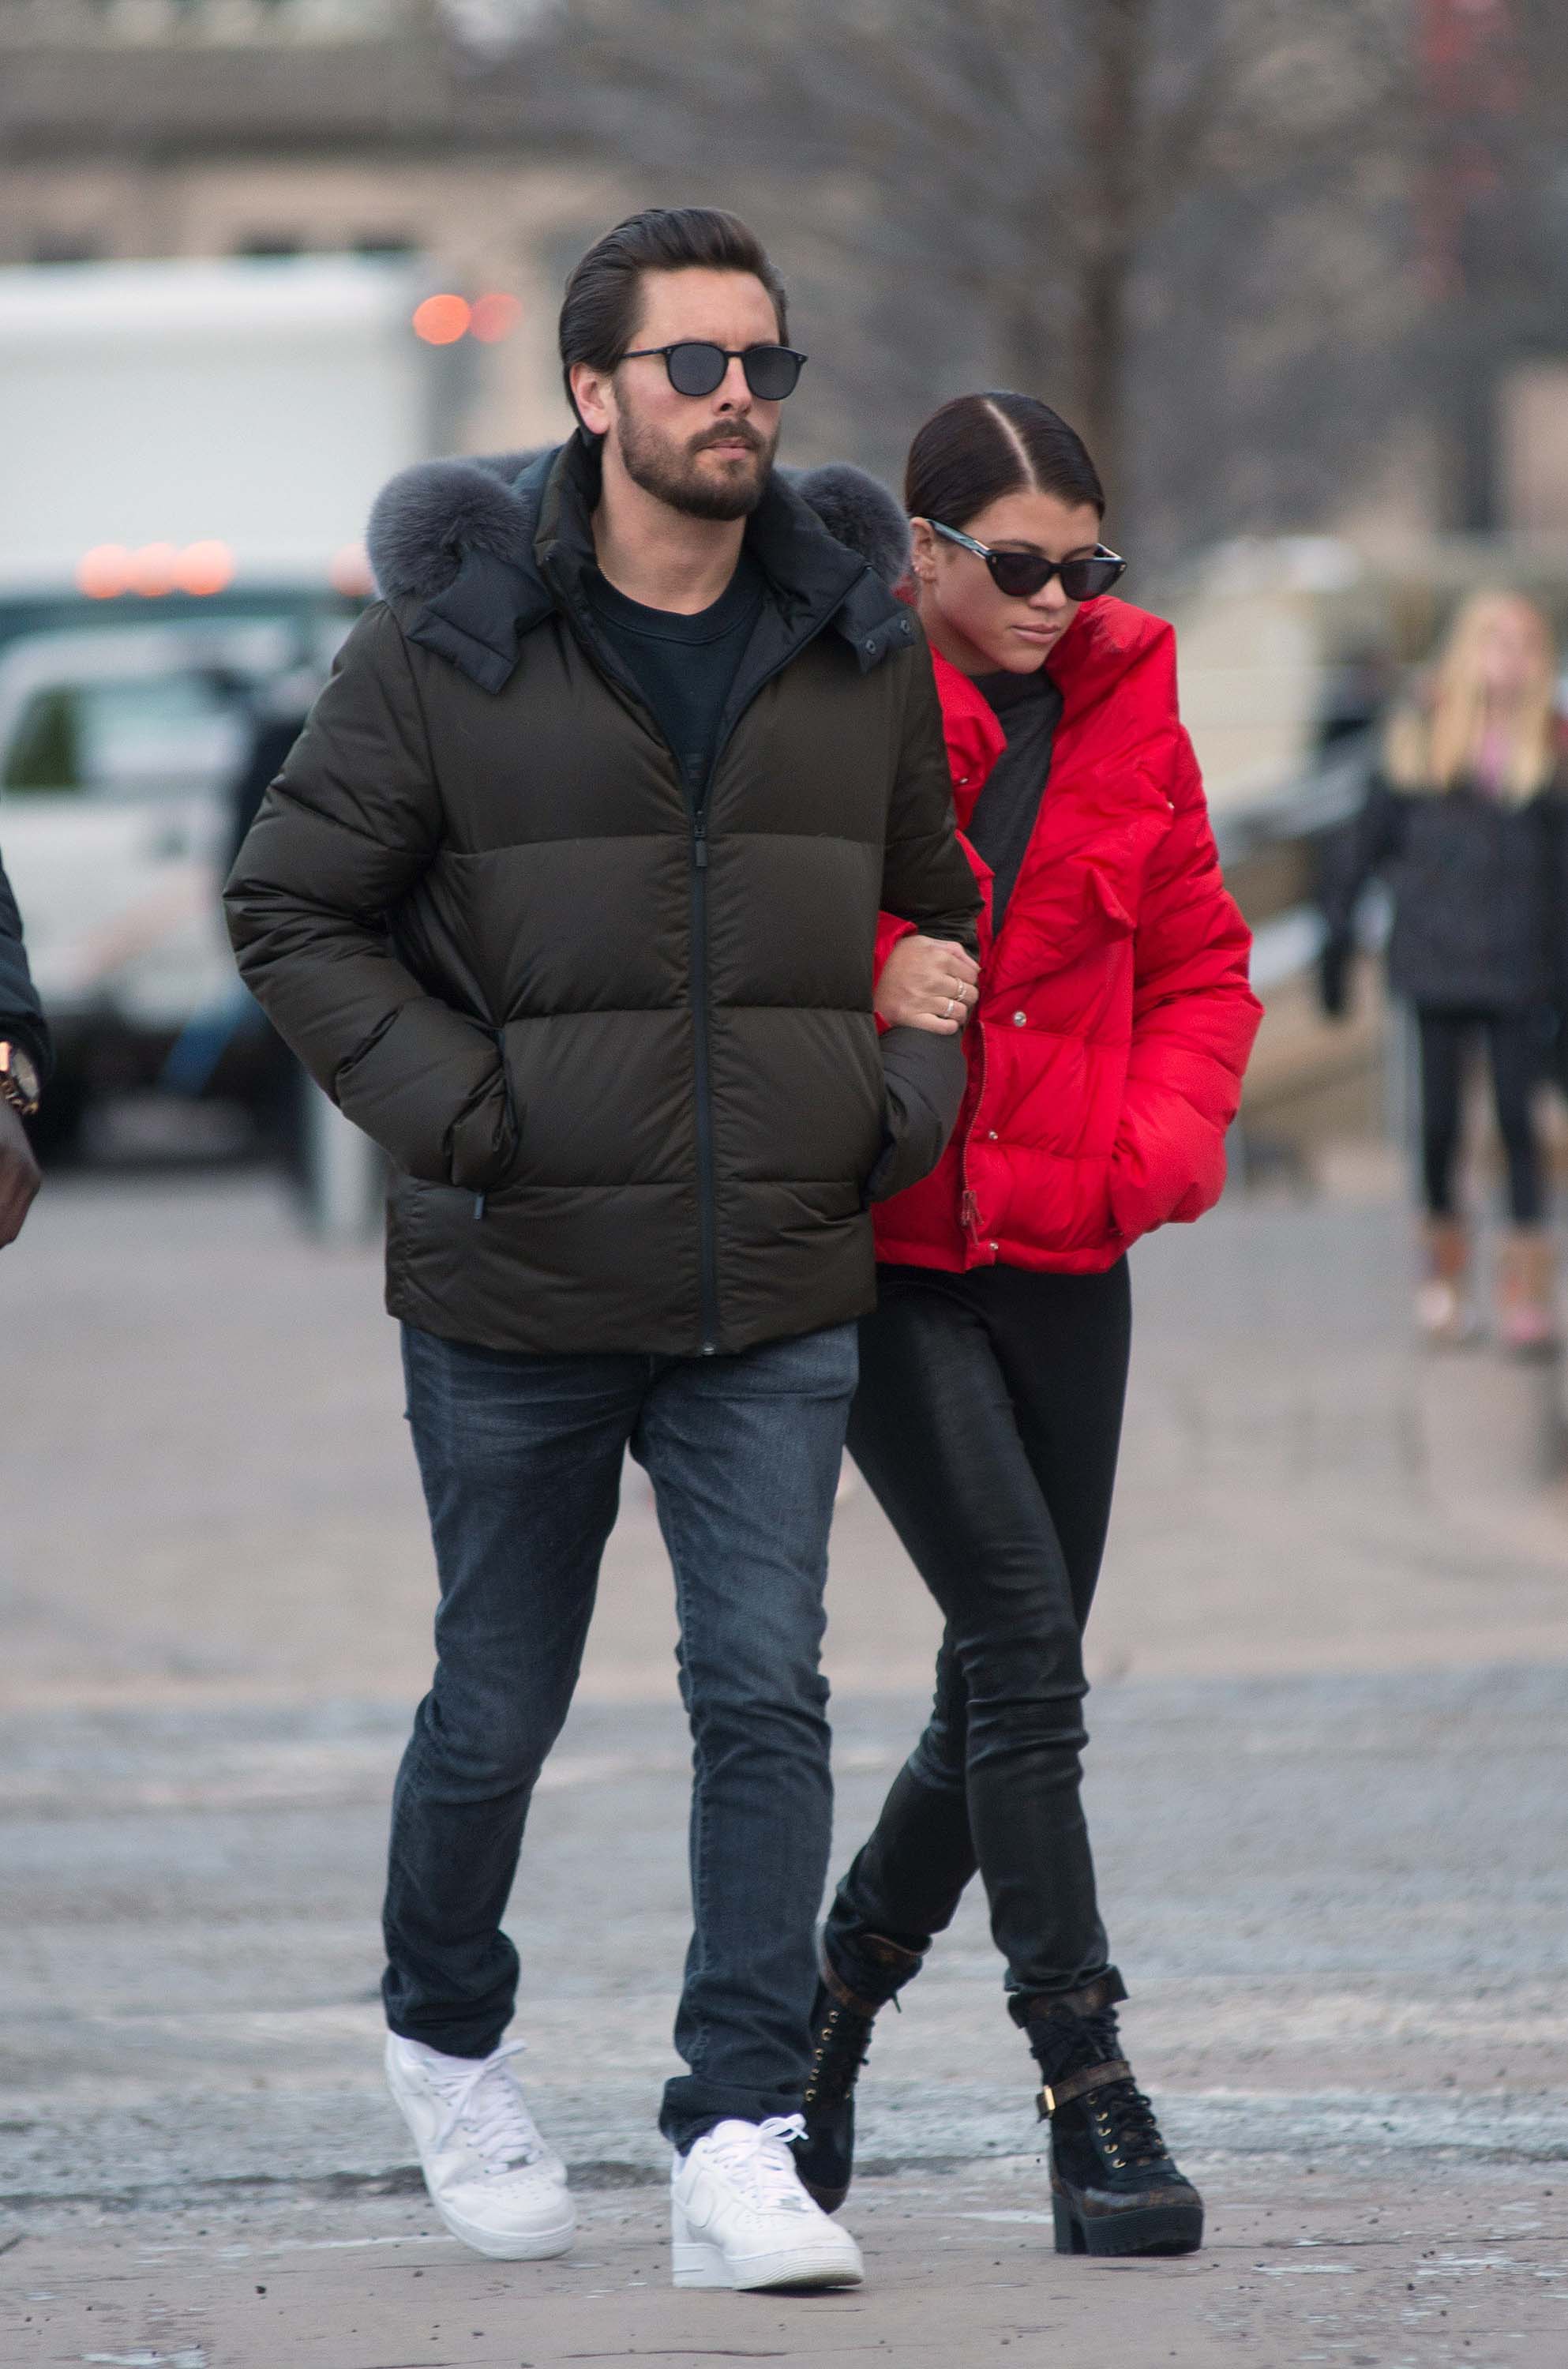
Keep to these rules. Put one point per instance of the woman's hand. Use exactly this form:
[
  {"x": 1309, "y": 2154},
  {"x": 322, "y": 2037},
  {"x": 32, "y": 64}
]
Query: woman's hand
[{"x": 928, "y": 983}]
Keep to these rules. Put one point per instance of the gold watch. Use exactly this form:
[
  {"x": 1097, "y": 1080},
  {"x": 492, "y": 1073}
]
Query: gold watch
[{"x": 19, "y": 1079}]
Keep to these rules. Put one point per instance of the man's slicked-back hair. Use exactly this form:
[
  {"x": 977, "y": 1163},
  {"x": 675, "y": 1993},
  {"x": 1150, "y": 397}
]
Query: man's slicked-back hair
[
  {"x": 599, "y": 309},
  {"x": 979, "y": 446}
]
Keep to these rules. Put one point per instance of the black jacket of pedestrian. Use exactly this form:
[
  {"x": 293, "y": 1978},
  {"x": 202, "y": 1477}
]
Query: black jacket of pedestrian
[
  {"x": 21, "y": 1014},
  {"x": 616, "y": 1037},
  {"x": 1478, "y": 884}
]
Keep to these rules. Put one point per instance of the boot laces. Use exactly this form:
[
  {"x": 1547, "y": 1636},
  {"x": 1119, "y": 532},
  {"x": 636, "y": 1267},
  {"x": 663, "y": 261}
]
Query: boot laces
[
  {"x": 1123, "y": 2115},
  {"x": 841, "y": 2049},
  {"x": 1126, "y": 2120},
  {"x": 757, "y": 2158},
  {"x": 490, "y": 2108}
]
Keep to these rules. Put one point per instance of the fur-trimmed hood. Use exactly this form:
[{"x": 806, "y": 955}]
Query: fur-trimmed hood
[
  {"x": 428, "y": 517},
  {"x": 481, "y": 544}
]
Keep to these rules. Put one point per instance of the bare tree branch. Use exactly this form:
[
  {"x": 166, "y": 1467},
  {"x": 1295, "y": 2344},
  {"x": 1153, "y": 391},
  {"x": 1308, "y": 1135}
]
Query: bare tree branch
[{"x": 1157, "y": 213}]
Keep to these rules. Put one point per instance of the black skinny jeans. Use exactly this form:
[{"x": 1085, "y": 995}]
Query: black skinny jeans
[
  {"x": 987, "y": 1422},
  {"x": 1516, "y": 1043}
]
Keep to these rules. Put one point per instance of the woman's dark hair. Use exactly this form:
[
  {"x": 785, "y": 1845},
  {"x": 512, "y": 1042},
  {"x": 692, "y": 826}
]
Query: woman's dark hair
[
  {"x": 599, "y": 310},
  {"x": 979, "y": 446}
]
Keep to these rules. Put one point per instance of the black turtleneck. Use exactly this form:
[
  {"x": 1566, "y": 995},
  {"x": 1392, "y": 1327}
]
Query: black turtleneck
[{"x": 1028, "y": 708}]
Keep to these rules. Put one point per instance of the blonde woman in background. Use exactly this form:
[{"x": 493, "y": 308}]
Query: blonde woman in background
[{"x": 1466, "y": 823}]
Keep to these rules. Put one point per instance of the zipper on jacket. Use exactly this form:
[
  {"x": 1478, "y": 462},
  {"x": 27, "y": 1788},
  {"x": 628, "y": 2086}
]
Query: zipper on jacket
[
  {"x": 697, "y": 787},
  {"x": 707, "y": 1194},
  {"x": 968, "y": 1207}
]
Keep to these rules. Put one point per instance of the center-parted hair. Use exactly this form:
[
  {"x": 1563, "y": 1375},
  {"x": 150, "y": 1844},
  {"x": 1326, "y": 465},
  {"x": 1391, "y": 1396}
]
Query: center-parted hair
[
  {"x": 981, "y": 447},
  {"x": 600, "y": 307}
]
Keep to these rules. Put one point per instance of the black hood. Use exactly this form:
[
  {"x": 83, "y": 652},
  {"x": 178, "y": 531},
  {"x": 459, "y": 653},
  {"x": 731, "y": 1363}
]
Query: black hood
[{"x": 494, "y": 547}]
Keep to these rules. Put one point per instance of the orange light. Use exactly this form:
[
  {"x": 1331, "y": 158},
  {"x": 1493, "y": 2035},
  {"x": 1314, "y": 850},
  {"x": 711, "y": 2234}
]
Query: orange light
[
  {"x": 442, "y": 320},
  {"x": 104, "y": 572},
  {"x": 154, "y": 570},
  {"x": 205, "y": 567},
  {"x": 350, "y": 572},
  {"x": 496, "y": 316}
]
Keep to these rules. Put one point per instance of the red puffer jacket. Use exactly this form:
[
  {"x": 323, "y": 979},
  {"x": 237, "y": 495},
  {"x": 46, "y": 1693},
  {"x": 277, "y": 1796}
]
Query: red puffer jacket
[{"x": 1115, "y": 1020}]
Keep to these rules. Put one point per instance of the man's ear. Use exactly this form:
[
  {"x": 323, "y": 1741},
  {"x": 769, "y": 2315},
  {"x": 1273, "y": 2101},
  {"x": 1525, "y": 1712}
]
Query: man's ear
[{"x": 592, "y": 391}]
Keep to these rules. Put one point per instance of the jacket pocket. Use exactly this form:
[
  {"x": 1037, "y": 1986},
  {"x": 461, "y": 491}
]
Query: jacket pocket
[
  {"x": 421, "y": 1079},
  {"x": 1167, "y": 1170},
  {"x": 483, "y": 1141}
]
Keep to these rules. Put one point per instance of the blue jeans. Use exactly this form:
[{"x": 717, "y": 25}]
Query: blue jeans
[{"x": 520, "y": 1458}]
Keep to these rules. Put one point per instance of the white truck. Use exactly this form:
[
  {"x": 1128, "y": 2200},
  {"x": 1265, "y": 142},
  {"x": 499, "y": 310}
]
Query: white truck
[{"x": 187, "y": 453}]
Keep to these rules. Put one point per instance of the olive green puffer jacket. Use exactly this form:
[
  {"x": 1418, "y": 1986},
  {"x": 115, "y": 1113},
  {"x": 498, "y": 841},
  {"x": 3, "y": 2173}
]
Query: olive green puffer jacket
[{"x": 617, "y": 1040}]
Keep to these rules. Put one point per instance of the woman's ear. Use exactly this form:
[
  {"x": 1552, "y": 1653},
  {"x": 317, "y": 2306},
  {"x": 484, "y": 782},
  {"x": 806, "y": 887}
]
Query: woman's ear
[{"x": 923, "y": 550}]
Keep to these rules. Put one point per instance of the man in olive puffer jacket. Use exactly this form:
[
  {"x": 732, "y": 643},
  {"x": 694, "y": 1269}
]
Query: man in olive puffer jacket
[{"x": 568, "y": 896}]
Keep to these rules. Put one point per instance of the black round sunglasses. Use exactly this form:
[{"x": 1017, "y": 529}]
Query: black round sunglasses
[
  {"x": 698, "y": 368},
  {"x": 1019, "y": 575}
]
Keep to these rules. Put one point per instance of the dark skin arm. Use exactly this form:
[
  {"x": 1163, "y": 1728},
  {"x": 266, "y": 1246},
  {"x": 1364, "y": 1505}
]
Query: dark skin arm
[{"x": 20, "y": 1177}]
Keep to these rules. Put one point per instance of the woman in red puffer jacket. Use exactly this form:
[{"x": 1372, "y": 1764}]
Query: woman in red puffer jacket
[{"x": 1109, "y": 1023}]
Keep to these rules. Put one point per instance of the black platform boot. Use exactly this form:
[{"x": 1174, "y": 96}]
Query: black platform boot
[
  {"x": 1114, "y": 2187},
  {"x": 841, "y": 2037}
]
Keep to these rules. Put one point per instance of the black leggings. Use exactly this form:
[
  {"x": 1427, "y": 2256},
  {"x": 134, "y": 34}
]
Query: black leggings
[
  {"x": 1517, "y": 1044},
  {"x": 987, "y": 1422}
]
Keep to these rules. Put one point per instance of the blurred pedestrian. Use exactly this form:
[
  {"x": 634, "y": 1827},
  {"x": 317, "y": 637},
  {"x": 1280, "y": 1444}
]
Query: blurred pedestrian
[
  {"x": 273, "y": 715},
  {"x": 1105, "y": 1062},
  {"x": 568, "y": 896},
  {"x": 1465, "y": 821},
  {"x": 24, "y": 1065}
]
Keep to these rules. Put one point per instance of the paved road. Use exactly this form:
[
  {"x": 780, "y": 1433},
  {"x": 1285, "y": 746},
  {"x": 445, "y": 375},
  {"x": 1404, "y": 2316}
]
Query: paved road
[{"x": 1326, "y": 1789}]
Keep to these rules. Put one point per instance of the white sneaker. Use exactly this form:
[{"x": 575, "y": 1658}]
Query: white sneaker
[
  {"x": 739, "y": 2217},
  {"x": 491, "y": 2177}
]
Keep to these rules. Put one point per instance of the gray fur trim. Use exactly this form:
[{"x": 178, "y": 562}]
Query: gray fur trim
[
  {"x": 859, "y": 511},
  {"x": 426, "y": 518}
]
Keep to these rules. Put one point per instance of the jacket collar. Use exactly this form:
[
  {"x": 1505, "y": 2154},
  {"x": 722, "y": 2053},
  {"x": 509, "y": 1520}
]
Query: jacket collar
[
  {"x": 1112, "y": 650},
  {"x": 975, "y": 739},
  {"x": 479, "y": 621}
]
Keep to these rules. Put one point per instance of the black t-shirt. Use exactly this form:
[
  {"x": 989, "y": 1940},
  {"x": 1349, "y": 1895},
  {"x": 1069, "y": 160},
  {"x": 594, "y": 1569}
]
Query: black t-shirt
[
  {"x": 1028, "y": 708},
  {"x": 684, "y": 667}
]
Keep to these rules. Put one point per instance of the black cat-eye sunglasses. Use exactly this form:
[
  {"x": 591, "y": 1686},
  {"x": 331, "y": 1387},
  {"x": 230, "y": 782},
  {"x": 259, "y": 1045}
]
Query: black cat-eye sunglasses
[
  {"x": 1021, "y": 574},
  {"x": 697, "y": 368}
]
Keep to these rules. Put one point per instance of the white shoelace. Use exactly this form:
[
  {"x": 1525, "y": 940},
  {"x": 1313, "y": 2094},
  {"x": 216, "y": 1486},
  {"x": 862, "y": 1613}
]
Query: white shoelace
[
  {"x": 757, "y": 2157},
  {"x": 489, "y": 2105}
]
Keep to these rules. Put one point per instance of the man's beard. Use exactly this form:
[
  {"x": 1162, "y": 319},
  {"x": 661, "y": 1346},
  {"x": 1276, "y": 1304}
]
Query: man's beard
[{"x": 670, "y": 473}]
